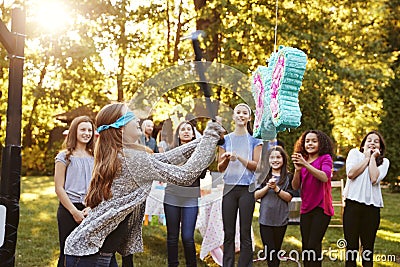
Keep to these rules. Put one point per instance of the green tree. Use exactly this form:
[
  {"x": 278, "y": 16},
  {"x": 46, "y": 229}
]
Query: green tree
[
  {"x": 347, "y": 63},
  {"x": 61, "y": 75},
  {"x": 113, "y": 49},
  {"x": 391, "y": 93}
]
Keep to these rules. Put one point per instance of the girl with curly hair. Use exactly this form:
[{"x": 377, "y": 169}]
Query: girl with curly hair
[{"x": 313, "y": 163}]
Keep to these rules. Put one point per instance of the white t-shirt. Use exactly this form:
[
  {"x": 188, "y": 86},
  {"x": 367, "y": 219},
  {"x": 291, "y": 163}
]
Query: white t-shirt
[{"x": 361, "y": 189}]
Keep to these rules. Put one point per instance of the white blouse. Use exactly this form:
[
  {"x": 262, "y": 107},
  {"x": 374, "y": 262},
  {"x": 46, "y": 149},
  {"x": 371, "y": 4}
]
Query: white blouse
[{"x": 361, "y": 188}]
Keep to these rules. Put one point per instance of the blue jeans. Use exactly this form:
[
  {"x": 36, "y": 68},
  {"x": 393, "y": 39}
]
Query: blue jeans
[
  {"x": 95, "y": 260},
  {"x": 184, "y": 218}
]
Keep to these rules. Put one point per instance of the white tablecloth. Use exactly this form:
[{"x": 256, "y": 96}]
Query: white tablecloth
[{"x": 154, "y": 204}]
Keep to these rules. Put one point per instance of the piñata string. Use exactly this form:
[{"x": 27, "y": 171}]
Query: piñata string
[{"x": 276, "y": 24}]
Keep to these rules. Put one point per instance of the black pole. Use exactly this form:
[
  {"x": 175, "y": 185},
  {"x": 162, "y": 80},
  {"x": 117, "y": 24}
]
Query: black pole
[
  {"x": 212, "y": 112},
  {"x": 200, "y": 71},
  {"x": 10, "y": 181}
]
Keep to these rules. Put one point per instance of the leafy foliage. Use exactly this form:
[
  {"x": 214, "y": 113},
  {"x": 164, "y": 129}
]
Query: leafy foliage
[
  {"x": 391, "y": 94},
  {"x": 112, "y": 49}
]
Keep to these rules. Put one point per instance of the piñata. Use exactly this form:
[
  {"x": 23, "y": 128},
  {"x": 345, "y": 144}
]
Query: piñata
[{"x": 275, "y": 90}]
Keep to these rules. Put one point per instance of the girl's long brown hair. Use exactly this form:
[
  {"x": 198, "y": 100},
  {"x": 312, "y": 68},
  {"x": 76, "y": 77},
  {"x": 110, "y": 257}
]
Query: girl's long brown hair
[
  {"x": 284, "y": 169},
  {"x": 382, "y": 149},
  {"x": 177, "y": 140},
  {"x": 107, "y": 165},
  {"x": 71, "y": 140}
]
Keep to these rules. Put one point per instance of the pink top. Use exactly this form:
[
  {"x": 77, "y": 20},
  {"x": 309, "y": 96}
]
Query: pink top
[{"x": 315, "y": 193}]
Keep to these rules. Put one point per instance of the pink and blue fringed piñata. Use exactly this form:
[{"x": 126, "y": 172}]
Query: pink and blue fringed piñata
[{"x": 275, "y": 90}]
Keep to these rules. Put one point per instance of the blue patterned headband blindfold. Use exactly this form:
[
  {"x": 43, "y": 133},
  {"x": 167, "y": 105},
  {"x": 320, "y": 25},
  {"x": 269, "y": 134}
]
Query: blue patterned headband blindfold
[{"x": 122, "y": 121}]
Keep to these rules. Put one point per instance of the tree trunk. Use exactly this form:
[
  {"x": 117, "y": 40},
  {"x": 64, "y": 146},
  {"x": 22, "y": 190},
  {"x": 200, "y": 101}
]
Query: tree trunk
[
  {"x": 178, "y": 34},
  {"x": 122, "y": 52},
  {"x": 211, "y": 25},
  {"x": 27, "y": 140}
]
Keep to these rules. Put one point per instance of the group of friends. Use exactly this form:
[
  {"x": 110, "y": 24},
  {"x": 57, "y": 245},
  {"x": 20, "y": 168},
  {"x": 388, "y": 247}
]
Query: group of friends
[{"x": 102, "y": 189}]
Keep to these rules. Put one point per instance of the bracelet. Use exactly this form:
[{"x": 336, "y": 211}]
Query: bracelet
[{"x": 280, "y": 189}]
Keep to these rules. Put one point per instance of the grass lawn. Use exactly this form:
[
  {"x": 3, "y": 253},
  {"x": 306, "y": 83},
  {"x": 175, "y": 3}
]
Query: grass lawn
[{"x": 37, "y": 244}]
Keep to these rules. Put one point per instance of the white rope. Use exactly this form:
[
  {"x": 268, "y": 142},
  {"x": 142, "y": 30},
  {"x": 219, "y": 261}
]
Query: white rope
[{"x": 276, "y": 24}]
